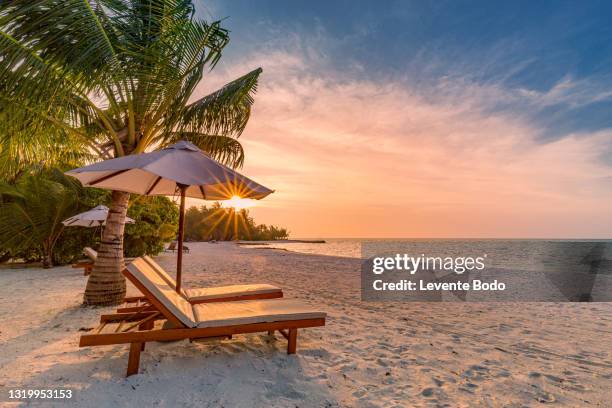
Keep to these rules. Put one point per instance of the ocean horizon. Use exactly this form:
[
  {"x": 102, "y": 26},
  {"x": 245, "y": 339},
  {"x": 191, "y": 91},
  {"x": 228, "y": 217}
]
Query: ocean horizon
[{"x": 510, "y": 254}]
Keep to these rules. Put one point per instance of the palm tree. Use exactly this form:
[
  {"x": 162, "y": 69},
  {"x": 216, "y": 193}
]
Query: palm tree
[
  {"x": 32, "y": 210},
  {"x": 110, "y": 78}
]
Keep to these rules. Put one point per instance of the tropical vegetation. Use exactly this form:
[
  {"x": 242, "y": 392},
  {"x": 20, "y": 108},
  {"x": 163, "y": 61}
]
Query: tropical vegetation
[
  {"x": 89, "y": 80},
  {"x": 226, "y": 224},
  {"x": 156, "y": 223},
  {"x": 33, "y": 207},
  {"x": 32, "y": 211}
]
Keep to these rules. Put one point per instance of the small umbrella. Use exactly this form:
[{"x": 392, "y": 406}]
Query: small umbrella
[
  {"x": 91, "y": 218},
  {"x": 181, "y": 167}
]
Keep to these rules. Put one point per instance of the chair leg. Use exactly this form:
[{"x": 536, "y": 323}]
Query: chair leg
[
  {"x": 270, "y": 332},
  {"x": 146, "y": 326},
  {"x": 292, "y": 343},
  {"x": 134, "y": 359}
]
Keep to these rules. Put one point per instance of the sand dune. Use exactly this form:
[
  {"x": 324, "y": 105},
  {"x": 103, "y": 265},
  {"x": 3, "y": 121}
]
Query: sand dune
[{"x": 368, "y": 355}]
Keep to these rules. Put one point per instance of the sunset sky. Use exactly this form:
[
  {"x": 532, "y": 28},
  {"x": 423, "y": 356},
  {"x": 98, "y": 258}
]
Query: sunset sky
[{"x": 426, "y": 119}]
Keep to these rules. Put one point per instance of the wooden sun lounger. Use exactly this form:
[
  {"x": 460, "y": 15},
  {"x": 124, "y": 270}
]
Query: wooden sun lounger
[
  {"x": 202, "y": 321},
  {"x": 230, "y": 293},
  {"x": 87, "y": 265}
]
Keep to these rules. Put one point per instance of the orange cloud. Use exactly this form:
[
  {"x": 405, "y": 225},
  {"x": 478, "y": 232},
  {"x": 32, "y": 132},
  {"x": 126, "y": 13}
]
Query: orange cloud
[{"x": 372, "y": 158}]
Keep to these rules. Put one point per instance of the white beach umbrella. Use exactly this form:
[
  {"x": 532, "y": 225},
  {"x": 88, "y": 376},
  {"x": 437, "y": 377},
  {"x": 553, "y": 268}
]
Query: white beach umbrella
[
  {"x": 91, "y": 218},
  {"x": 181, "y": 168}
]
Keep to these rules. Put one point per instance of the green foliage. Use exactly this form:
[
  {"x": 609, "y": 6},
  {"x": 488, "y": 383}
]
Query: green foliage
[
  {"x": 69, "y": 246},
  {"x": 224, "y": 224},
  {"x": 82, "y": 81},
  {"x": 31, "y": 211},
  {"x": 156, "y": 223},
  {"x": 90, "y": 80}
]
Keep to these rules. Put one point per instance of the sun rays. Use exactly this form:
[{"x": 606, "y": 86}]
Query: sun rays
[
  {"x": 238, "y": 203},
  {"x": 232, "y": 221}
]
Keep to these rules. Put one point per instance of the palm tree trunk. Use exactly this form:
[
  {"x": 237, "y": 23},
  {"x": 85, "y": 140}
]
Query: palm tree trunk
[
  {"x": 47, "y": 259},
  {"x": 106, "y": 284}
]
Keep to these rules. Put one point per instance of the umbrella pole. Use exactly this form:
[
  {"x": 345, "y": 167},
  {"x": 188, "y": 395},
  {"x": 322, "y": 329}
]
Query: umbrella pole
[{"x": 179, "y": 258}]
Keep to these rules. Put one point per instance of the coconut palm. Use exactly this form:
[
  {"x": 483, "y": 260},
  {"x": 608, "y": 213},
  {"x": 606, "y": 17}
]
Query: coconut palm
[
  {"x": 32, "y": 210},
  {"x": 110, "y": 78}
]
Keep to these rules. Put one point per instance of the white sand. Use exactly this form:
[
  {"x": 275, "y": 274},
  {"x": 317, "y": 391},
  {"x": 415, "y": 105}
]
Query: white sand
[{"x": 368, "y": 355}]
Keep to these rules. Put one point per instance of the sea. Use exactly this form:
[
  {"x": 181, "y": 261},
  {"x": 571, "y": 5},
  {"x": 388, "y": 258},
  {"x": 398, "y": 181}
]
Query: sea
[
  {"x": 539, "y": 270},
  {"x": 516, "y": 254}
]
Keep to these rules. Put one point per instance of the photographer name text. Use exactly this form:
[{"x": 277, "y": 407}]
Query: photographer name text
[{"x": 412, "y": 264}]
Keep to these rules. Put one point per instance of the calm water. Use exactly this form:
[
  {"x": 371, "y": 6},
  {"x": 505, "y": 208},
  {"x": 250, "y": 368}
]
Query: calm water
[
  {"x": 350, "y": 248},
  {"x": 513, "y": 254}
]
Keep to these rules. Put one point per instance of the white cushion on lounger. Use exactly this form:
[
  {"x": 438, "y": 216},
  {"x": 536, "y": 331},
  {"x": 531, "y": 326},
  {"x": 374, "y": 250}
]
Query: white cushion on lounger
[
  {"x": 90, "y": 253},
  {"x": 229, "y": 291},
  {"x": 162, "y": 273},
  {"x": 253, "y": 311},
  {"x": 199, "y": 294},
  {"x": 167, "y": 295}
]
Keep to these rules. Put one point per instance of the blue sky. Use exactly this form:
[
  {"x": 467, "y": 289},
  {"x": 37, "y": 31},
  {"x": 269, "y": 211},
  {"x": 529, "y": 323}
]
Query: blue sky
[
  {"x": 483, "y": 119},
  {"x": 520, "y": 45}
]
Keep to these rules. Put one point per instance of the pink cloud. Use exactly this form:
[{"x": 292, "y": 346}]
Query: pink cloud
[{"x": 368, "y": 158}]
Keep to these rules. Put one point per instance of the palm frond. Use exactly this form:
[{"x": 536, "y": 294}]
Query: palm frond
[
  {"x": 163, "y": 47},
  {"x": 20, "y": 152},
  {"x": 34, "y": 211},
  {"x": 70, "y": 35},
  {"x": 225, "y": 111},
  {"x": 111, "y": 77}
]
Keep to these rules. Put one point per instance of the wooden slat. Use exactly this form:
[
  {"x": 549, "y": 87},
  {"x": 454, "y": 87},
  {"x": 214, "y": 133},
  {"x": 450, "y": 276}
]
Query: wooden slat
[
  {"x": 131, "y": 299},
  {"x": 131, "y": 316},
  {"x": 138, "y": 323},
  {"x": 99, "y": 328},
  {"x": 119, "y": 326},
  {"x": 185, "y": 333},
  {"x": 134, "y": 309}
]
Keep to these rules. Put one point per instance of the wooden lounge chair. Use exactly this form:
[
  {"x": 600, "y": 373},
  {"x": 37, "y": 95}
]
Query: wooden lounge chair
[
  {"x": 201, "y": 321},
  {"x": 228, "y": 293},
  {"x": 88, "y": 264}
]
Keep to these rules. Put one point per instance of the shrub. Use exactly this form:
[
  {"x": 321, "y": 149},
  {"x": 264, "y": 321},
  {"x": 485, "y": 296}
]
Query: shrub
[
  {"x": 33, "y": 206},
  {"x": 156, "y": 223},
  {"x": 31, "y": 213}
]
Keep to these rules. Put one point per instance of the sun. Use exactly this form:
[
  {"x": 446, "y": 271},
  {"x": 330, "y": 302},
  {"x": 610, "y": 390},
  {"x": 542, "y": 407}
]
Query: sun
[{"x": 238, "y": 203}]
